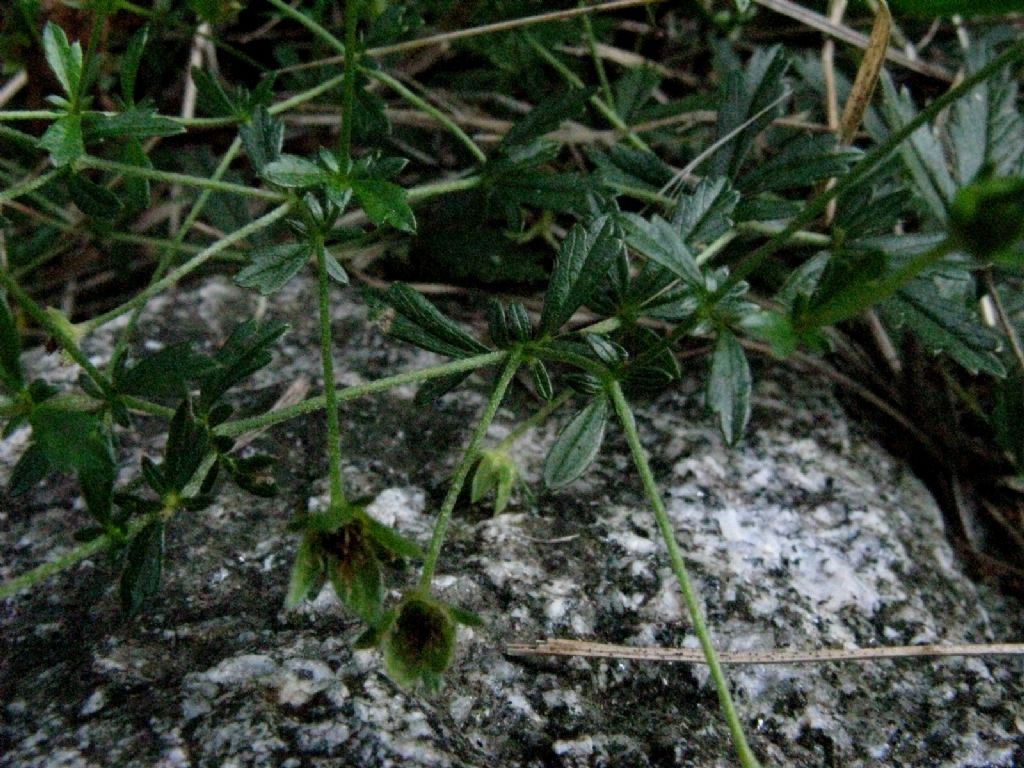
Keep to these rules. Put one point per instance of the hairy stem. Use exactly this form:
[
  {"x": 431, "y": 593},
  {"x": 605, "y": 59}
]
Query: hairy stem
[
  {"x": 462, "y": 471},
  {"x": 187, "y": 268},
  {"x": 693, "y": 605},
  {"x": 338, "y": 501}
]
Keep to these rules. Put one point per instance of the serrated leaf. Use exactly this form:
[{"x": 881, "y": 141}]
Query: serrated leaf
[
  {"x": 293, "y": 172},
  {"x": 663, "y": 244},
  {"x": 743, "y": 95},
  {"x": 577, "y": 445},
  {"x": 729, "y": 387},
  {"x": 384, "y": 203},
  {"x": 135, "y": 123},
  {"x": 130, "y": 63},
  {"x": 272, "y": 267},
  {"x": 943, "y": 325},
  {"x": 246, "y": 350},
  {"x": 625, "y": 169},
  {"x": 425, "y": 325},
  {"x": 213, "y": 99},
  {"x": 547, "y": 116},
  {"x": 986, "y": 130},
  {"x": 263, "y": 138},
  {"x": 93, "y": 199},
  {"x": 63, "y": 140},
  {"x": 922, "y": 155},
  {"x": 11, "y": 373},
  {"x": 65, "y": 59},
  {"x": 586, "y": 256},
  {"x": 801, "y": 163},
  {"x": 703, "y": 215},
  {"x": 143, "y": 568},
  {"x": 307, "y": 573}
]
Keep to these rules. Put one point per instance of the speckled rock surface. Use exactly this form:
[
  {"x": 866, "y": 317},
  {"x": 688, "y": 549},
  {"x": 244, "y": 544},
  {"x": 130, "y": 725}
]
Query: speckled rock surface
[{"x": 808, "y": 535}]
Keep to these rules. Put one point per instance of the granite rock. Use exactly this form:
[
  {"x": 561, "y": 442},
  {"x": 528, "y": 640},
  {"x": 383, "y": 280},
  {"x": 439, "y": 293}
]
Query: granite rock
[{"x": 806, "y": 535}]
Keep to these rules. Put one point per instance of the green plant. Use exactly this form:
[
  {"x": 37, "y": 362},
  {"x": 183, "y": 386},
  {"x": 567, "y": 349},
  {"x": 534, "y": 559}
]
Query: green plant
[{"x": 735, "y": 249}]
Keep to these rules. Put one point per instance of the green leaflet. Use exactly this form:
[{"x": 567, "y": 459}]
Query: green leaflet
[
  {"x": 272, "y": 267},
  {"x": 64, "y": 58},
  {"x": 384, "y": 203},
  {"x": 577, "y": 445},
  {"x": 663, "y": 244},
  {"x": 143, "y": 568},
  {"x": 293, "y": 172},
  {"x": 582, "y": 265},
  {"x": 729, "y": 387},
  {"x": 425, "y": 326}
]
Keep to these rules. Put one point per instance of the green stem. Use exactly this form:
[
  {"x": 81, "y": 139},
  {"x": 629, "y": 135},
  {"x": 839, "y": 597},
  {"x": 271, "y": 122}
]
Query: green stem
[
  {"x": 168, "y": 254},
  {"x": 100, "y": 543},
  {"x": 56, "y": 330},
  {"x": 240, "y": 426},
  {"x": 425, "y": 106},
  {"x": 309, "y": 24},
  {"x": 348, "y": 87},
  {"x": 182, "y": 178},
  {"x": 746, "y": 756},
  {"x": 28, "y": 186},
  {"x": 599, "y": 104},
  {"x": 602, "y": 76},
  {"x": 187, "y": 268},
  {"x": 438, "y": 188},
  {"x": 338, "y": 501},
  {"x": 817, "y": 206},
  {"x": 462, "y": 471}
]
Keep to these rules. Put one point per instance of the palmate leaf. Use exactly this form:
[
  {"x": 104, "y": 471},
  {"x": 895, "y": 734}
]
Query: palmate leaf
[
  {"x": 582, "y": 265},
  {"x": 245, "y": 352},
  {"x": 547, "y": 116},
  {"x": 663, "y": 244},
  {"x": 922, "y": 155},
  {"x": 272, "y": 267},
  {"x": 802, "y": 163},
  {"x": 944, "y": 324},
  {"x": 577, "y": 445},
  {"x": 986, "y": 129},
  {"x": 262, "y": 137},
  {"x": 64, "y": 58},
  {"x": 704, "y": 215},
  {"x": 744, "y": 94},
  {"x": 63, "y": 140}
]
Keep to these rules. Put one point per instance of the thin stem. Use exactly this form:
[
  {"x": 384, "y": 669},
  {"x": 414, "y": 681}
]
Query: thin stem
[
  {"x": 100, "y": 543},
  {"x": 187, "y": 268},
  {"x": 338, "y": 501},
  {"x": 693, "y": 603},
  {"x": 168, "y": 254},
  {"x": 12, "y": 193},
  {"x": 425, "y": 106},
  {"x": 1004, "y": 318},
  {"x": 309, "y": 24},
  {"x": 181, "y": 178},
  {"x": 462, "y": 471},
  {"x": 599, "y": 104},
  {"x": 438, "y": 188},
  {"x": 602, "y": 76},
  {"x": 348, "y": 93},
  {"x": 240, "y": 426},
  {"x": 56, "y": 330}
]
